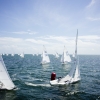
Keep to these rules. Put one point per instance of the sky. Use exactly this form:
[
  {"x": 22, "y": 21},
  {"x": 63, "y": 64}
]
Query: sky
[{"x": 27, "y": 25}]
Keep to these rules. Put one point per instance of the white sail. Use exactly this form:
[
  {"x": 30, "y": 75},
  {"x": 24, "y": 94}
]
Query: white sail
[
  {"x": 76, "y": 76},
  {"x": 68, "y": 77},
  {"x": 12, "y": 54},
  {"x": 56, "y": 55},
  {"x": 5, "y": 80},
  {"x": 22, "y": 55},
  {"x": 65, "y": 57},
  {"x": 45, "y": 57},
  {"x": 73, "y": 55},
  {"x": 37, "y": 54}
]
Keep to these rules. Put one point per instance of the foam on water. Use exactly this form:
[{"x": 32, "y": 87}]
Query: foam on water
[{"x": 31, "y": 84}]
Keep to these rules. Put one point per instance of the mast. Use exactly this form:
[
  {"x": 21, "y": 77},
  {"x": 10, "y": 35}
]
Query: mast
[
  {"x": 76, "y": 45},
  {"x": 77, "y": 71}
]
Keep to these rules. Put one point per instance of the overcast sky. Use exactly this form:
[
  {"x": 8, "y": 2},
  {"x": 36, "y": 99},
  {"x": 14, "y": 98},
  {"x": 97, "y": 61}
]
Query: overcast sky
[{"x": 27, "y": 25}]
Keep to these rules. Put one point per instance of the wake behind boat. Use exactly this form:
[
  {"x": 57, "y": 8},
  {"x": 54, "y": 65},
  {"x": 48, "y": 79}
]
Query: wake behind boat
[{"x": 74, "y": 74}]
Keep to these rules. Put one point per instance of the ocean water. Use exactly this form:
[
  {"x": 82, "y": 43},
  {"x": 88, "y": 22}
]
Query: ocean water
[{"x": 32, "y": 79}]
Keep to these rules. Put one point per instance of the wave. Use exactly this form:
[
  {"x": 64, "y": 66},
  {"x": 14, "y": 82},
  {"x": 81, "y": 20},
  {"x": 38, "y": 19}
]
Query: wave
[
  {"x": 17, "y": 88},
  {"x": 36, "y": 79},
  {"x": 73, "y": 92},
  {"x": 31, "y": 84}
]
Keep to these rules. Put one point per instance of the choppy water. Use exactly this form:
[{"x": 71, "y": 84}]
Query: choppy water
[{"x": 32, "y": 79}]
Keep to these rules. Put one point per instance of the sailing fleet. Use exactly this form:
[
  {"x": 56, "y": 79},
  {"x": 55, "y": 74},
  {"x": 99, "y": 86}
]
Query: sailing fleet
[{"x": 71, "y": 77}]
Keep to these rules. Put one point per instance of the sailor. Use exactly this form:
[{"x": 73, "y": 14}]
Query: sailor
[{"x": 59, "y": 78}]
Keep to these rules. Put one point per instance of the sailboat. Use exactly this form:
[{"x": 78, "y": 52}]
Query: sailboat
[
  {"x": 45, "y": 57},
  {"x": 36, "y": 54},
  {"x": 12, "y": 54},
  {"x": 73, "y": 55},
  {"x": 65, "y": 57},
  {"x": 56, "y": 55},
  {"x": 74, "y": 74},
  {"x": 5, "y": 80},
  {"x": 22, "y": 55}
]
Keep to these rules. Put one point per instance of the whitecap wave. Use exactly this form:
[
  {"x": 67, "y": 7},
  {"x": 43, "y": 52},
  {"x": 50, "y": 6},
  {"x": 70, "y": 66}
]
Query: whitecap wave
[
  {"x": 72, "y": 92},
  {"x": 31, "y": 84},
  {"x": 35, "y": 79},
  {"x": 16, "y": 88}
]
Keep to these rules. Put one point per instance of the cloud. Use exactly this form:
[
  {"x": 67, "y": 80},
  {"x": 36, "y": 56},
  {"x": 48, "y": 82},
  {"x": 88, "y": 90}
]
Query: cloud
[
  {"x": 89, "y": 44},
  {"x": 90, "y": 37},
  {"x": 91, "y": 3},
  {"x": 85, "y": 43},
  {"x": 93, "y": 19},
  {"x": 37, "y": 41},
  {"x": 25, "y": 32},
  {"x": 61, "y": 39},
  {"x": 29, "y": 32}
]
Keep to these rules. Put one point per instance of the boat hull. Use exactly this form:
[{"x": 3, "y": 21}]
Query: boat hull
[
  {"x": 75, "y": 80},
  {"x": 8, "y": 88},
  {"x": 57, "y": 83},
  {"x": 45, "y": 63}
]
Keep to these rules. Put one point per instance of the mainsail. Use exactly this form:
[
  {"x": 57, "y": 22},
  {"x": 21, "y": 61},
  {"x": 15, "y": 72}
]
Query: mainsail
[
  {"x": 56, "y": 55},
  {"x": 76, "y": 76},
  {"x": 5, "y": 80},
  {"x": 65, "y": 57},
  {"x": 22, "y": 55},
  {"x": 77, "y": 73},
  {"x": 45, "y": 57}
]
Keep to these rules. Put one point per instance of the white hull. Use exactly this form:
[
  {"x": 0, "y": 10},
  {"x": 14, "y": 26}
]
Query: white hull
[
  {"x": 57, "y": 83},
  {"x": 7, "y": 88},
  {"x": 45, "y": 63},
  {"x": 65, "y": 63}
]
